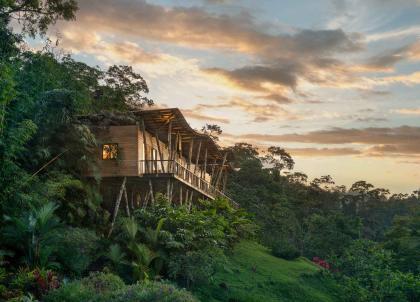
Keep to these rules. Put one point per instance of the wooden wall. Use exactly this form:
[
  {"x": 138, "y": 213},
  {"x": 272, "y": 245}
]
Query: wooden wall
[{"x": 130, "y": 147}]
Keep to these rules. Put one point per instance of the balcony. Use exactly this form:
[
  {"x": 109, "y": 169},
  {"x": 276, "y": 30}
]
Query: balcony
[{"x": 173, "y": 168}]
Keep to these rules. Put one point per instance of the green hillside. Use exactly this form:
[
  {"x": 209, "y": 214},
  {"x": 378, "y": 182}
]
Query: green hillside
[{"x": 253, "y": 274}]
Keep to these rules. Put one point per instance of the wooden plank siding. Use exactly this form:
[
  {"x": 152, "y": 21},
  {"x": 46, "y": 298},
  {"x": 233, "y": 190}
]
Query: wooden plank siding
[{"x": 130, "y": 147}]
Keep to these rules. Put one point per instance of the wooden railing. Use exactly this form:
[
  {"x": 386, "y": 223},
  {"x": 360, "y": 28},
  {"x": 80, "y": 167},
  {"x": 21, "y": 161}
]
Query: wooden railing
[{"x": 182, "y": 172}]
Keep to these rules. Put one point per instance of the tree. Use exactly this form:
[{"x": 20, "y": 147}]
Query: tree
[
  {"x": 36, "y": 16},
  {"x": 403, "y": 239},
  {"x": 32, "y": 234},
  {"x": 297, "y": 178},
  {"x": 278, "y": 159},
  {"x": 127, "y": 85},
  {"x": 324, "y": 182},
  {"x": 212, "y": 130}
]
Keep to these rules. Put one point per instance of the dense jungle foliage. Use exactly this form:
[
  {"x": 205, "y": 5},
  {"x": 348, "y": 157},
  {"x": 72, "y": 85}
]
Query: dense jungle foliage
[{"x": 364, "y": 244}]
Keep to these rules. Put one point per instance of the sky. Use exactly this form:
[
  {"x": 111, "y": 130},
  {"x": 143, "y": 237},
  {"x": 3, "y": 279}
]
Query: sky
[{"x": 334, "y": 82}]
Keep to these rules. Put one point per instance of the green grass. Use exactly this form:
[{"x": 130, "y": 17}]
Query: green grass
[{"x": 253, "y": 274}]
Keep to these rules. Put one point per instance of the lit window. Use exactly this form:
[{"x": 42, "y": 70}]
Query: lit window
[{"x": 109, "y": 151}]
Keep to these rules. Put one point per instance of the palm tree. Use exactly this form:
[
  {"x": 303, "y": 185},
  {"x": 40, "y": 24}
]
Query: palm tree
[{"x": 32, "y": 234}]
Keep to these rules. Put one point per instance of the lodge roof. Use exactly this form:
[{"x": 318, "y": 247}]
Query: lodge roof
[{"x": 157, "y": 122}]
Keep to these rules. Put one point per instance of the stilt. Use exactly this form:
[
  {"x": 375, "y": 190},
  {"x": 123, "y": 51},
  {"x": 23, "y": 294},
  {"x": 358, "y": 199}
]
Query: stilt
[
  {"x": 127, "y": 210},
  {"x": 117, "y": 206},
  {"x": 151, "y": 192},
  {"x": 160, "y": 152}
]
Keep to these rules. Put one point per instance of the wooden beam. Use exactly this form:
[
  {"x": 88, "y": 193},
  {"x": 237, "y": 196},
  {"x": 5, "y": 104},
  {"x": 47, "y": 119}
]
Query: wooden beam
[
  {"x": 146, "y": 199},
  {"x": 205, "y": 164},
  {"x": 190, "y": 154},
  {"x": 212, "y": 171},
  {"x": 197, "y": 158},
  {"x": 160, "y": 152},
  {"x": 221, "y": 171},
  {"x": 225, "y": 181},
  {"x": 117, "y": 206},
  {"x": 151, "y": 191},
  {"x": 180, "y": 144},
  {"x": 169, "y": 144},
  {"x": 127, "y": 209},
  {"x": 175, "y": 150},
  {"x": 143, "y": 130}
]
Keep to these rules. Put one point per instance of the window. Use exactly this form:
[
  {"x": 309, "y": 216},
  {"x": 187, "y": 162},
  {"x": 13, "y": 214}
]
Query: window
[{"x": 109, "y": 151}]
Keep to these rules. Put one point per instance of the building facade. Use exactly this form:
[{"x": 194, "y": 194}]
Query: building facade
[{"x": 155, "y": 151}]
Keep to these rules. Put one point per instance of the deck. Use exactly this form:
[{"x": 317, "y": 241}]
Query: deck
[{"x": 191, "y": 178}]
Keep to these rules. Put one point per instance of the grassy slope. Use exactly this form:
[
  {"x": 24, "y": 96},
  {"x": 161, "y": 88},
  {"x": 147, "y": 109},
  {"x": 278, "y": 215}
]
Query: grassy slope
[{"x": 254, "y": 275}]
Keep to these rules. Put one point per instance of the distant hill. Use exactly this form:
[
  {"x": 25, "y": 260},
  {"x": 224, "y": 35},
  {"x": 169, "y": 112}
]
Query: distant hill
[{"x": 253, "y": 274}]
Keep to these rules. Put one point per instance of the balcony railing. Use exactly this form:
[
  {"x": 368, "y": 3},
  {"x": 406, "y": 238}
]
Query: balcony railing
[{"x": 183, "y": 173}]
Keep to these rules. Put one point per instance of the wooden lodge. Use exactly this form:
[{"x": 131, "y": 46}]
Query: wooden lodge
[{"x": 155, "y": 151}]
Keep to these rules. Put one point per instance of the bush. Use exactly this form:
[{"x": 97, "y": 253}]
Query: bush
[
  {"x": 151, "y": 292},
  {"x": 90, "y": 288},
  {"x": 285, "y": 250},
  {"x": 77, "y": 248},
  {"x": 365, "y": 274},
  {"x": 196, "y": 267},
  {"x": 104, "y": 287}
]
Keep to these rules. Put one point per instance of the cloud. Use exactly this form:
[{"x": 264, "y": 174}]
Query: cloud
[
  {"x": 259, "y": 112},
  {"x": 371, "y": 135},
  {"x": 317, "y": 152},
  {"x": 397, "y": 149},
  {"x": 193, "y": 114},
  {"x": 388, "y": 59},
  {"x": 394, "y": 34},
  {"x": 256, "y": 78},
  {"x": 80, "y": 40},
  {"x": 196, "y": 27},
  {"x": 398, "y": 141},
  {"x": 408, "y": 111},
  {"x": 277, "y": 98},
  {"x": 283, "y": 57}
]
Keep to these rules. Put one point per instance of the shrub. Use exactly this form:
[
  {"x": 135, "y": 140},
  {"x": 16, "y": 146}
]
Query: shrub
[
  {"x": 285, "y": 250},
  {"x": 90, "y": 288},
  {"x": 366, "y": 274},
  {"x": 151, "y": 292},
  {"x": 196, "y": 267},
  {"x": 77, "y": 248},
  {"x": 103, "y": 287}
]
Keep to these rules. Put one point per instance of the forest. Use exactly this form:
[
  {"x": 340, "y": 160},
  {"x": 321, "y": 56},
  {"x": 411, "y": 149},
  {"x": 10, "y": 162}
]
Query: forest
[{"x": 359, "y": 243}]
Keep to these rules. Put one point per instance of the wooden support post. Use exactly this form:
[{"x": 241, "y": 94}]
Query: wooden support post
[
  {"x": 180, "y": 145},
  {"x": 180, "y": 194},
  {"x": 171, "y": 192},
  {"x": 168, "y": 188},
  {"x": 221, "y": 171},
  {"x": 127, "y": 210},
  {"x": 143, "y": 130},
  {"x": 197, "y": 158},
  {"x": 205, "y": 165},
  {"x": 225, "y": 181},
  {"x": 117, "y": 206},
  {"x": 176, "y": 149},
  {"x": 151, "y": 191},
  {"x": 190, "y": 153},
  {"x": 146, "y": 199},
  {"x": 132, "y": 200},
  {"x": 160, "y": 152},
  {"x": 212, "y": 171},
  {"x": 169, "y": 146},
  {"x": 186, "y": 196}
]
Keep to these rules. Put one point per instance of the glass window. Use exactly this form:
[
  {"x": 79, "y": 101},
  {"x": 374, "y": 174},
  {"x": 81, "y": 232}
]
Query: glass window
[{"x": 109, "y": 151}]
